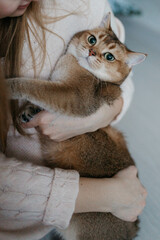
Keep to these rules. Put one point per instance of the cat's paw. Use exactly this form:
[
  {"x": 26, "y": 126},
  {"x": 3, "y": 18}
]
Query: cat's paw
[{"x": 28, "y": 113}]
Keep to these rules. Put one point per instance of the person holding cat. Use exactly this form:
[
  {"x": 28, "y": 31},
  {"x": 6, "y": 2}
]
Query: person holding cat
[{"x": 35, "y": 198}]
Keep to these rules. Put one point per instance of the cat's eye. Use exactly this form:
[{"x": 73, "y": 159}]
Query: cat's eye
[
  {"x": 92, "y": 40},
  {"x": 109, "y": 56}
]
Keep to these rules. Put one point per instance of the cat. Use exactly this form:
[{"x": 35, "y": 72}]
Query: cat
[{"x": 89, "y": 75}]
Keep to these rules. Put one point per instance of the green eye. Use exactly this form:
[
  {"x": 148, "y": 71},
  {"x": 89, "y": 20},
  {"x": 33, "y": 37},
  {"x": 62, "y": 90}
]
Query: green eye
[
  {"x": 92, "y": 40},
  {"x": 108, "y": 56}
]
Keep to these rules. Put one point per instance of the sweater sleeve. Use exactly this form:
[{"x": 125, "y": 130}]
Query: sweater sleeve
[
  {"x": 117, "y": 26},
  {"x": 39, "y": 194},
  {"x": 127, "y": 86}
]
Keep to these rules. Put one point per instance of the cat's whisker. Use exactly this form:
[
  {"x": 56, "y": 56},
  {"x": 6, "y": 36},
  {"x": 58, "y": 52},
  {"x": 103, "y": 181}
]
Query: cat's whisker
[
  {"x": 83, "y": 47},
  {"x": 82, "y": 52},
  {"x": 98, "y": 61},
  {"x": 95, "y": 64}
]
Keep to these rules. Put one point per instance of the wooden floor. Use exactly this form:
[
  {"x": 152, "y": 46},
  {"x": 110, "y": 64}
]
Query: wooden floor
[{"x": 141, "y": 124}]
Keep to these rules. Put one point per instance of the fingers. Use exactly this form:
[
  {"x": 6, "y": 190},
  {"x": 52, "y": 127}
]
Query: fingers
[
  {"x": 133, "y": 219},
  {"x": 132, "y": 194},
  {"x": 65, "y": 126},
  {"x": 55, "y": 126},
  {"x": 130, "y": 214},
  {"x": 131, "y": 171},
  {"x": 144, "y": 192},
  {"x": 118, "y": 107},
  {"x": 137, "y": 212},
  {"x": 43, "y": 124},
  {"x": 38, "y": 120}
]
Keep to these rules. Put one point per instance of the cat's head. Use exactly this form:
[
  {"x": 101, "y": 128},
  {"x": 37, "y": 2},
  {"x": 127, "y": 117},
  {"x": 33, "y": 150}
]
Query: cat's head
[{"x": 101, "y": 53}]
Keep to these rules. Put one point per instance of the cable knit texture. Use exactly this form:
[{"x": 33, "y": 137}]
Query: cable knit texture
[
  {"x": 33, "y": 198},
  {"x": 37, "y": 193},
  {"x": 62, "y": 193}
]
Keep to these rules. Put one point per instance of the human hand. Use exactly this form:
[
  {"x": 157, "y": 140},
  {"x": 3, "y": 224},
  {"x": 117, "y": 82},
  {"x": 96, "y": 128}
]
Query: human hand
[
  {"x": 122, "y": 195},
  {"x": 60, "y": 127},
  {"x": 128, "y": 199}
]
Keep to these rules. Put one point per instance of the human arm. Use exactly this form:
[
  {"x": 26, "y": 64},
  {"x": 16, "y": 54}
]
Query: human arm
[
  {"x": 122, "y": 195},
  {"x": 60, "y": 127},
  {"x": 41, "y": 194}
]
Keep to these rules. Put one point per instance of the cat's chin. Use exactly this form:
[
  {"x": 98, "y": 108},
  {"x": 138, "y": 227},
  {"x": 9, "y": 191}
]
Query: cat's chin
[
  {"x": 100, "y": 73},
  {"x": 83, "y": 62}
]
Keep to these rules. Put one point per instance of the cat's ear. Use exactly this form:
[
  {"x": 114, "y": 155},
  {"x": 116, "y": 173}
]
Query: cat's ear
[
  {"x": 106, "y": 21},
  {"x": 135, "y": 58}
]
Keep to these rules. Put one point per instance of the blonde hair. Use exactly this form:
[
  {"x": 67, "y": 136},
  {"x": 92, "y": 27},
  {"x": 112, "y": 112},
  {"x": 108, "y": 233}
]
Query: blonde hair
[
  {"x": 13, "y": 31},
  {"x": 4, "y": 112},
  {"x": 12, "y": 34}
]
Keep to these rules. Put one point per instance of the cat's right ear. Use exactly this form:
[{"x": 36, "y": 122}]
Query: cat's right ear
[
  {"x": 134, "y": 58},
  {"x": 106, "y": 21}
]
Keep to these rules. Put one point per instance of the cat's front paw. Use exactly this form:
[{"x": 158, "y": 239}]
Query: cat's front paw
[{"x": 28, "y": 113}]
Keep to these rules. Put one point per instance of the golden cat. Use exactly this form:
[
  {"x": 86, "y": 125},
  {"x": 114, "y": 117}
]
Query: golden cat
[{"x": 87, "y": 76}]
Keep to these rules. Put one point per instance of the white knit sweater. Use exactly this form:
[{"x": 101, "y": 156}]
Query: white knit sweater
[{"x": 33, "y": 198}]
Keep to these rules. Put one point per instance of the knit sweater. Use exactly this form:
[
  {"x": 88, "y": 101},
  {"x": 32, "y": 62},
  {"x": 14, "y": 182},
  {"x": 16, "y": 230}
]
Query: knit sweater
[{"x": 33, "y": 198}]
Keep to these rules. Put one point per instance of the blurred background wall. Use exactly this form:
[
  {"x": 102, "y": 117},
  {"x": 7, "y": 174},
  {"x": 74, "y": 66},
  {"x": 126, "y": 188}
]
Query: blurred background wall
[{"x": 141, "y": 124}]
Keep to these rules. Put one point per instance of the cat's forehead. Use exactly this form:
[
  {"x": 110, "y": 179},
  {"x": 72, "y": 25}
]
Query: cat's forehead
[
  {"x": 107, "y": 39},
  {"x": 103, "y": 34}
]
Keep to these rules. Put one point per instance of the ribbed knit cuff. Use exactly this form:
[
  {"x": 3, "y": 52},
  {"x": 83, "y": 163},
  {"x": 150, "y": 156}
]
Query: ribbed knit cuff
[{"x": 62, "y": 198}]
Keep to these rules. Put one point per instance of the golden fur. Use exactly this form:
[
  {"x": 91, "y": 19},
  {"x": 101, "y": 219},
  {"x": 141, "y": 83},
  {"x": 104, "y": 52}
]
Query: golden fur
[{"x": 86, "y": 80}]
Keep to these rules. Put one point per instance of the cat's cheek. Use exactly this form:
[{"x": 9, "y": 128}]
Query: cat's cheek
[
  {"x": 93, "y": 63},
  {"x": 82, "y": 52},
  {"x": 83, "y": 63}
]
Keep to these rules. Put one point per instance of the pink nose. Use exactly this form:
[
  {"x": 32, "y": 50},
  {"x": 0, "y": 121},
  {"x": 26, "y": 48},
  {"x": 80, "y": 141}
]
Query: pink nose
[{"x": 92, "y": 53}]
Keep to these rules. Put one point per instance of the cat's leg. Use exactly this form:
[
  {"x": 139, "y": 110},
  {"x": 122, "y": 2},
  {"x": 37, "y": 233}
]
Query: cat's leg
[
  {"x": 28, "y": 112},
  {"x": 72, "y": 97}
]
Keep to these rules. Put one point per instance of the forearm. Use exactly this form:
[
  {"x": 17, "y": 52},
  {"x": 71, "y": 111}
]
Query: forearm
[
  {"x": 94, "y": 195},
  {"x": 105, "y": 115},
  {"x": 127, "y": 95},
  {"x": 60, "y": 127}
]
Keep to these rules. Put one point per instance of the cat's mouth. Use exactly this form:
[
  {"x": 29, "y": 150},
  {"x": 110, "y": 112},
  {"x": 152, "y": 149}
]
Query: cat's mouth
[
  {"x": 87, "y": 58},
  {"x": 93, "y": 62}
]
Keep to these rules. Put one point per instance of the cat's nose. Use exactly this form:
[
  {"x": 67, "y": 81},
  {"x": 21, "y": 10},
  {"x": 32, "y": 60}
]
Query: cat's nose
[{"x": 92, "y": 53}]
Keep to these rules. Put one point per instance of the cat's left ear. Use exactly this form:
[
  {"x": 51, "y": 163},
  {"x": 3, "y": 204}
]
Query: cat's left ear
[
  {"x": 135, "y": 58},
  {"x": 106, "y": 21}
]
